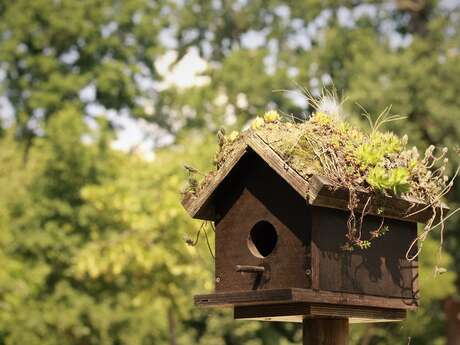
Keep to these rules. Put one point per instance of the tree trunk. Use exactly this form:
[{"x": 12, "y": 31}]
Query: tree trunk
[{"x": 172, "y": 326}]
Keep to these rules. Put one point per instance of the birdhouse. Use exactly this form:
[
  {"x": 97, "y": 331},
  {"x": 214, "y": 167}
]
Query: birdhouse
[{"x": 279, "y": 243}]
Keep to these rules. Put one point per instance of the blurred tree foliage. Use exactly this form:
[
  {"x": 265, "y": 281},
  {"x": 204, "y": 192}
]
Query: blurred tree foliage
[
  {"x": 92, "y": 240},
  {"x": 50, "y": 51}
]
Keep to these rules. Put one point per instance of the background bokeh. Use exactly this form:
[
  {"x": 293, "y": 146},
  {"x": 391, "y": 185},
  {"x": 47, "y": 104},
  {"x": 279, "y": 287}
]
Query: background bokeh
[{"x": 102, "y": 102}]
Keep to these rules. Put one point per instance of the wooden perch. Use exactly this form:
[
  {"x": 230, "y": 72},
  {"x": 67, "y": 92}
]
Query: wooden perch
[{"x": 250, "y": 269}]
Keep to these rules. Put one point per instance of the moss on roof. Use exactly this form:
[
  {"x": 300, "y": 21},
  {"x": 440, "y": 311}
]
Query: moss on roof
[
  {"x": 374, "y": 161},
  {"x": 351, "y": 158}
]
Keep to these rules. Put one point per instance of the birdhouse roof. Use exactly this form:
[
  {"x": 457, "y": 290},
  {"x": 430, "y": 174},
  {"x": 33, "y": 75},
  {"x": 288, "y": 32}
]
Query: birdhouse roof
[{"x": 316, "y": 189}]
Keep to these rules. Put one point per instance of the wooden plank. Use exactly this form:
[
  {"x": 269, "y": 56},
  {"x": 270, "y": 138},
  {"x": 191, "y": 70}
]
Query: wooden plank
[
  {"x": 271, "y": 310},
  {"x": 329, "y": 297},
  {"x": 415, "y": 274},
  {"x": 300, "y": 318},
  {"x": 315, "y": 257},
  {"x": 325, "y": 331},
  {"x": 243, "y": 297},
  {"x": 196, "y": 206},
  {"x": 323, "y": 193},
  {"x": 285, "y": 264},
  {"x": 283, "y": 169},
  {"x": 360, "y": 314},
  {"x": 289, "y": 318},
  {"x": 223, "y": 299},
  {"x": 381, "y": 270}
]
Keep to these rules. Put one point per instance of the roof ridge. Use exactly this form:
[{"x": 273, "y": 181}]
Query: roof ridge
[{"x": 317, "y": 191}]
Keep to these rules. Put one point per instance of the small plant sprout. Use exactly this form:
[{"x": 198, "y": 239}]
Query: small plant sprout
[
  {"x": 192, "y": 179},
  {"x": 271, "y": 116},
  {"x": 257, "y": 123},
  {"x": 233, "y": 136},
  {"x": 383, "y": 118}
]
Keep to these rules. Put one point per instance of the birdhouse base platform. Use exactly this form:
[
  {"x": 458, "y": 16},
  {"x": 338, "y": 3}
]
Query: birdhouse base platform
[
  {"x": 297, "y": 312},
  {"x": 295, "y": 305}
]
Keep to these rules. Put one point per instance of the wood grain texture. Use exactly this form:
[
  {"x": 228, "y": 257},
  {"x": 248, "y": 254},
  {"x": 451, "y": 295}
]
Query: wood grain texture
[
  {"x": 323, "y": 193},
  {"x": 381, "y": 270},
  {"x": 271, "y": 310},
  {"x": 273, "y": 296},
  {"x": 286, "y": 265},
  {"x": 341, "y": 298},
  {"x": 278, "y": 164},
  {"x": 315, "y": 257},
  {"x": 298, "y": 311},
  {"x": 358, "y": 313},
  {"x": 229, "y": 299},
  {"x": 325, "y": 331}
]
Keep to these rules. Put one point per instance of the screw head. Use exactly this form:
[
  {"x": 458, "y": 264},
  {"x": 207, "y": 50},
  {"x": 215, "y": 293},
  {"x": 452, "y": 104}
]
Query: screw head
[
  {"x": 308, "y": 271},
  {"x": 217, "y": 279}
]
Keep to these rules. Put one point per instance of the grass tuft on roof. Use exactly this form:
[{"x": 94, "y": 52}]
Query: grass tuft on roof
[{"x": 375, "y": 161}]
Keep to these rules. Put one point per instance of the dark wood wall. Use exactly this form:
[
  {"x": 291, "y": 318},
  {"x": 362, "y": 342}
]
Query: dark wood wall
[
  {"x": 308, "y": 252},
  {"x": 254, "y": 192},
  {"x": 381, "y": 270}
]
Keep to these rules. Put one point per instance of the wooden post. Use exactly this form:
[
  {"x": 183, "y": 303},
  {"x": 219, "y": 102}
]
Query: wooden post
[
  {"x": 325, "y": 331},
  {"x": 452, "y": 311}
]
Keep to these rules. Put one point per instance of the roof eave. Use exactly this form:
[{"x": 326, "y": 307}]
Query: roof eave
[{"x": 317, "y": 191}]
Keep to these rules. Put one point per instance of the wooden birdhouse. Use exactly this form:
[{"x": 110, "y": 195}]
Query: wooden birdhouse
[{"x": 279, "y": 243}]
